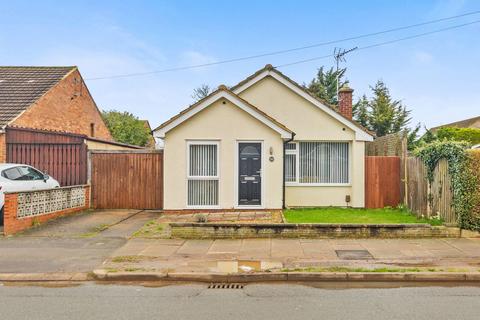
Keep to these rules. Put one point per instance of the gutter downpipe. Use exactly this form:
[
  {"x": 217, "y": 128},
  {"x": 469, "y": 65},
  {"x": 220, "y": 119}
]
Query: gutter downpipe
[{"x": 284, "y": 168}]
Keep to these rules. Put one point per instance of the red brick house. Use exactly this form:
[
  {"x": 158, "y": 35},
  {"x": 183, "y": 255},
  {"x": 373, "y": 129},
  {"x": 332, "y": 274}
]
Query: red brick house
[{"x": 48, "y": 98}]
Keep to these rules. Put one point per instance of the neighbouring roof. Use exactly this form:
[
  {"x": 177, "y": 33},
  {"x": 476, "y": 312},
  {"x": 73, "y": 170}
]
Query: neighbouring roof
[
  {"x": 151, "y": 140},
  {"x": 146, "y": 124},
  {"x": 20, "y": 87},
  {"x": 269, "y": 70},
  {"x": 467, "y": 123},
  {"x": 223, "y": 92}
]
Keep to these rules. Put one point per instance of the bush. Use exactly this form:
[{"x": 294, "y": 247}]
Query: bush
[
  {"x": 471, "y": 196},
  {"x": 464, "y": 169},
  {"x": 126, "y": 128},
  {"x": 470, "y": 135}
]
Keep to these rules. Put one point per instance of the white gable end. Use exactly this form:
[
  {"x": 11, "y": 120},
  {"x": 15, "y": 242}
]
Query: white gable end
[{"x": 360, "y": 134}]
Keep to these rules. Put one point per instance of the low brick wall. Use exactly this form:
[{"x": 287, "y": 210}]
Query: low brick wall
[
  {"x": 318, "y": 231},
  {"x": 27, "y": 208}
]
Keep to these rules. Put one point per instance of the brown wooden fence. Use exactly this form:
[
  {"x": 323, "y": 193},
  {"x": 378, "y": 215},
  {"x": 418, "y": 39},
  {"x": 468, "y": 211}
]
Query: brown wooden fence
[
  {"x": 63, "y": 156},
  {"x": 430, "y": 200},
  {"x": 417, "y": 186},
  {"x": 127, "y": 179},
  {"x": 382, "y": 182}
]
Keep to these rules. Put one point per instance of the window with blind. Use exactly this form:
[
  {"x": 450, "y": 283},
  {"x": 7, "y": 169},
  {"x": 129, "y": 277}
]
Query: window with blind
[
  {"x": 317, "y": 163},
  {"x": 203, "y": 175}
]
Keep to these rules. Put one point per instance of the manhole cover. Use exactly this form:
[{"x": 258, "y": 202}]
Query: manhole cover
[{"x": 354, "y": 254}]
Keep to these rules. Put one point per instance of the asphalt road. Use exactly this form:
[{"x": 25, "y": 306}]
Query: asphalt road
[{"x": 255, "y": 301}]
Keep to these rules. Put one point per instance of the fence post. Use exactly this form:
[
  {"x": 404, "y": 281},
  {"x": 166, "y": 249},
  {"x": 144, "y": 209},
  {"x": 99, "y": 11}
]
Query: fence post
[{"x": 404, "y": 155}]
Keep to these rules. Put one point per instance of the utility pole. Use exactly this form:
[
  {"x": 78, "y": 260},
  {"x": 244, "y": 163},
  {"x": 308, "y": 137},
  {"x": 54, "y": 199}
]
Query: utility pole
[{"x": 339, "y": 55}]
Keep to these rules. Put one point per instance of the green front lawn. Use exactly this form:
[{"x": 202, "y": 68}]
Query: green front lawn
[{"x": 350, "y": 215}]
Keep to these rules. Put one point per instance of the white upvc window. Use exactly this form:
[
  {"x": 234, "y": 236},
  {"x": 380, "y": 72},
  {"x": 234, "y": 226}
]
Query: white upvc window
[
  {"x": 291, "y": 162},
  {"x": 317, "y": 163},
  {"x": 202, "y": 174}
]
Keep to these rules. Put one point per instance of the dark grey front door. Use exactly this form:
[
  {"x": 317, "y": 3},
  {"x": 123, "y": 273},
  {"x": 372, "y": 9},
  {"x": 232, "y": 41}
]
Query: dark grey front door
[{"x": 249, "y": 174}]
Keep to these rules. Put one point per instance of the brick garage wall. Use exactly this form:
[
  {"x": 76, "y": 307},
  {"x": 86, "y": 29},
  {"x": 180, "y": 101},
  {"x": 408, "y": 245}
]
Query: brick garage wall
[
  {"x": 312, "y": 231},
  {"x": 69, "y": 107},
  {"x": 3, "y": 148},
  {"x": 12, "y": 224}
]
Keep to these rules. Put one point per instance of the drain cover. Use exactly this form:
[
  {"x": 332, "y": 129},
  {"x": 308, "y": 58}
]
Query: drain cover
[
  {"x": 354, "y": 254},
  {"x": 225, "y": 286}
]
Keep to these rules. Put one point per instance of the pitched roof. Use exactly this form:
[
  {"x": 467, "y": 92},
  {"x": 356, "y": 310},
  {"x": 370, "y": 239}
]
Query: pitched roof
[
  {"x": 269, "y": 70},
  {"x": 222, "y": 92},
  {"x": 20, "y": 87},
  {"x": 467, "y": 123}
]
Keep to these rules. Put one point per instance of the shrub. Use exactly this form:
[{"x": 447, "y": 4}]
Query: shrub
[
  {"x": 463, "y": 167},
  {"x": 470, "y": 135}
]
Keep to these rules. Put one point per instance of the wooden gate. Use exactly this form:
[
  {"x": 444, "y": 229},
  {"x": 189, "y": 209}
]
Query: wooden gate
[
  {"x": 382, "y": 182},
  {"x": 433, "y": 199},
  {"x": 127, "y": 179},
  {"x": 62, "y": 155}
]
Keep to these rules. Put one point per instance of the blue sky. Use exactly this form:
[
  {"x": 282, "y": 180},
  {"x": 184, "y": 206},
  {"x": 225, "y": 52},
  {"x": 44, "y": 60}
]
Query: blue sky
[{"x": 435, "y": 76}]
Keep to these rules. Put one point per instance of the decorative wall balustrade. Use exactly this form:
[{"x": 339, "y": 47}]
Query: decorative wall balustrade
[{"x": 36, "y": 203}]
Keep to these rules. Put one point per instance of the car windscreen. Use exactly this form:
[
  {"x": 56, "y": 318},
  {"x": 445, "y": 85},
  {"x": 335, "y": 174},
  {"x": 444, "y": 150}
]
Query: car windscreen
[{"x": 22, "y": 174}]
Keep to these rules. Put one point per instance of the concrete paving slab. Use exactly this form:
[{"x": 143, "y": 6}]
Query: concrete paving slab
[
  {"x": 195, "y": 247},
  {"x": 159, "y": 250},
  {"x": 286, "y": 248},
  {"x": 345, "y": 245},
  {"x": 318, "y": 250},
  {"x": 225, "y": 246},
  {"x": 420, "y": 253},
  {"x": 255, "y": 248},
  {"x": 470, "y": 246}
]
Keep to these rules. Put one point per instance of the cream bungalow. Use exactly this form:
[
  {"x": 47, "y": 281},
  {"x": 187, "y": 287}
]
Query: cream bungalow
[{"x": 265, "y": 143}]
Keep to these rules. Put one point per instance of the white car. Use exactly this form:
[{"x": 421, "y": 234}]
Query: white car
[{"x": 21, "y": 177}]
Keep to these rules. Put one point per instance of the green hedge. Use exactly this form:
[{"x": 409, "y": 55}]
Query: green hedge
[
  {"x": 470, "y": 135},
  {"x": 464, "y": 168}
]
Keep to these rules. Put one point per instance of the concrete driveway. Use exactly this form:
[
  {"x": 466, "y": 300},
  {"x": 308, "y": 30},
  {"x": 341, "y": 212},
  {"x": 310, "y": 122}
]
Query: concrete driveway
[{"x": 77, "y": 243}]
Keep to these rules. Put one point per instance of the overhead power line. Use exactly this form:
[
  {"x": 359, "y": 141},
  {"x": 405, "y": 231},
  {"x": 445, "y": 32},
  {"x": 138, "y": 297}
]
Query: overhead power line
[
  {"x": 273, "y": 53},
  {"x": 383, "y": 43}
]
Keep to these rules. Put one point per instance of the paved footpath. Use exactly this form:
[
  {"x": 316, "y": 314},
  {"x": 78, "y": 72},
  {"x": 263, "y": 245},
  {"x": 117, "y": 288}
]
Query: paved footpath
[
  {"x": 178, "y": 255},
  {"x": 102, "y": 240}
]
